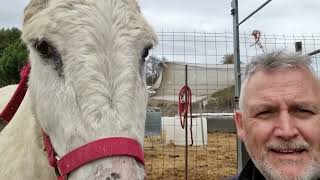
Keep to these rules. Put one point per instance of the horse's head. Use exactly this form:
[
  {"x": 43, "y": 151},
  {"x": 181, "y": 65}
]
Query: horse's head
[{"x": 87, "y": 80}]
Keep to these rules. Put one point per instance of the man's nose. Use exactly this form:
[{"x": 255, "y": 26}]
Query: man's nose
[{"x": 285, "y": 126}]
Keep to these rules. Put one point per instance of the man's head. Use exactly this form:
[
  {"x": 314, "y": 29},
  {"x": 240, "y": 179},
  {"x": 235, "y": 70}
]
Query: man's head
[{"x": 279, "y": 117}]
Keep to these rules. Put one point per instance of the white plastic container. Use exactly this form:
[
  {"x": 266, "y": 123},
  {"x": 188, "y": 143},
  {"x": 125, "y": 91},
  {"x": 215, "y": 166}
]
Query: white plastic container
[{"x": 175, "y": 134}]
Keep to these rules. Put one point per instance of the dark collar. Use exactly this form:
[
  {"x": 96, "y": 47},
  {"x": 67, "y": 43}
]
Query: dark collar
[{"x": 250, "y": 172}]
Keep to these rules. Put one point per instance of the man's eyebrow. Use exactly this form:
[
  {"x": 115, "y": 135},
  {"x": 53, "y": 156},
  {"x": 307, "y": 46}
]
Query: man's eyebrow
[
  {"x": 256, "y": 107},
  {"x": 308, "y": 105}
]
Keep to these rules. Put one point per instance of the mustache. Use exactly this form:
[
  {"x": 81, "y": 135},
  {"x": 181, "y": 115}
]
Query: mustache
[{"x": 288, "y": 145}]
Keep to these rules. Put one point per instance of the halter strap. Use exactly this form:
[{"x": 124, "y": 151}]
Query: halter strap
[
  {"x": 11, "y": 108},
  {"x": 106, "y": 147}
]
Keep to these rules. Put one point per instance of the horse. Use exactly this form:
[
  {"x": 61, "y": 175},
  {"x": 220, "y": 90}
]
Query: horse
[{"x": 86, "y": 87}]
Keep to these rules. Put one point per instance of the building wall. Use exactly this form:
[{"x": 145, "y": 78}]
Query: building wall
[{"x": 202, "y": 79}]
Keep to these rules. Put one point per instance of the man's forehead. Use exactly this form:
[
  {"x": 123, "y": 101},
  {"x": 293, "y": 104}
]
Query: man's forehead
[
  {"x": 289, "y": 83},
  {"x": 281, "y": 77}
]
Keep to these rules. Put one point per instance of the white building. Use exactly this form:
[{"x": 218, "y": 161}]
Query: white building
[{"x": 203, "y": 79}]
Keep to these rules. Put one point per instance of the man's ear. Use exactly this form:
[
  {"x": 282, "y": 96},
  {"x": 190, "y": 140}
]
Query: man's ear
[{"x": 238, "y": 119}]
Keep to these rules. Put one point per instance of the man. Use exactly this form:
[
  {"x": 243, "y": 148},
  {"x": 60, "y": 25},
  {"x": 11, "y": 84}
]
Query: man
[{"x": 279, "y": 118}]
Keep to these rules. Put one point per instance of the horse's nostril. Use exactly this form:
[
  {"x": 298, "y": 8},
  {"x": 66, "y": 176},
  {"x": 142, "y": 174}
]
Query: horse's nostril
[{"x": 114, "y": 176}]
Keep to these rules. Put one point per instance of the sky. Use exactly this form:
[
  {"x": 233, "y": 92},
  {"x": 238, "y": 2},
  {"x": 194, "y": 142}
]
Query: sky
[{"x": 279, "y": 16}]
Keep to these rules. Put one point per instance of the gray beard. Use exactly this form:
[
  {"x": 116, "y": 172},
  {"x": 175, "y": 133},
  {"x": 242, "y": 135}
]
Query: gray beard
[{"x": 312, "y": 172}]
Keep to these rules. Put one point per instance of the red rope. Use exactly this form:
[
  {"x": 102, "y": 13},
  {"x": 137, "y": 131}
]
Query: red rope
[
  {"x": 257, "y": 34},
  {"x": 185, "y": 107}
]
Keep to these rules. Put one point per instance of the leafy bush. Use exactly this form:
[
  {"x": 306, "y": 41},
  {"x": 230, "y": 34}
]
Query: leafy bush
[
  {"x": 13, "y": 55},
  {"x": 222, "y": 101}
]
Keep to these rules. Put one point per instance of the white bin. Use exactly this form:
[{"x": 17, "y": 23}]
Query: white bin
[{"x": 175, "y": 134}]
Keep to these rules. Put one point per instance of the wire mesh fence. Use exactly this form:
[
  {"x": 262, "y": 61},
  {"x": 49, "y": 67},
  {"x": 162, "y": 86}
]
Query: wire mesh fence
[{"x": 209, "y": 60}]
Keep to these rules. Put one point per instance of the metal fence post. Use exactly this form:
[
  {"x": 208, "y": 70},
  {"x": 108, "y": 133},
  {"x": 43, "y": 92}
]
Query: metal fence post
[
  {"x": 186, "y": 128},
  {"x": 241, "y": 150}
]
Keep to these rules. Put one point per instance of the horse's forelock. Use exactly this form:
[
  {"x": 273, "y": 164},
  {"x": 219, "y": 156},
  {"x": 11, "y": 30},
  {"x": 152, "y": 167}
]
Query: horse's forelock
[{"x": 34, "y": 7}]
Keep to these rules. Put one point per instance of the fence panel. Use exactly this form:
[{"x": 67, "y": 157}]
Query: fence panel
[{"x": 211, "y": 79}]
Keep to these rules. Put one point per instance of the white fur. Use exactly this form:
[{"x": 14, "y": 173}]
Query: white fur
[
  {"x": 5, "y": 94},
  {"x": 100, "y": 94}
]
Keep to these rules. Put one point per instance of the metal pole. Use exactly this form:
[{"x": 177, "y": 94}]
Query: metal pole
[
  {"x": 202, "y": 133},
  {"x": 186, "y": 128},
  {"x": 298, "y": 47},
  {"x": 254, "y": 12},
  {"x": 314, "y": 52},
  {"x": 236, "y": 49},
  {"x": 242, "y": 154}
]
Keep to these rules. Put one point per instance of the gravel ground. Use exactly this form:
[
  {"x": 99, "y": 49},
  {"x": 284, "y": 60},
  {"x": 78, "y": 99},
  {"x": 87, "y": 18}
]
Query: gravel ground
[{"x": 215, "y": 161}]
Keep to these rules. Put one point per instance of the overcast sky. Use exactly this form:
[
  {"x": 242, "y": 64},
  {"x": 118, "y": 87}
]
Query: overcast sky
[{"x": 279, "y": 16}]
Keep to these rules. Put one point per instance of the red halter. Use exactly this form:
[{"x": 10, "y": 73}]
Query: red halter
[
  {"x": 11, "y": 108},
  {"x": 106, "y": 147}
]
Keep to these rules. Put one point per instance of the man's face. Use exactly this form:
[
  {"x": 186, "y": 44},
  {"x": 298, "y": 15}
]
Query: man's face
[{"x": 280, "y": 125}]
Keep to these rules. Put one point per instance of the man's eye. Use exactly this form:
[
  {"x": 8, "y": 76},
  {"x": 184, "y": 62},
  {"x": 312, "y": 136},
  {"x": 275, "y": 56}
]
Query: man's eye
[
  {"x": 303, "y": 112},
  {"x": 264, "y": 114}
]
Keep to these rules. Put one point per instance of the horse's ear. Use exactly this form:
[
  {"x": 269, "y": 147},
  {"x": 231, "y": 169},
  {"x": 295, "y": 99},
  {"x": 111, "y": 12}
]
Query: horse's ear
[
  {"x": 134, "y": 4},
  {"x": 33, "y": 8}
]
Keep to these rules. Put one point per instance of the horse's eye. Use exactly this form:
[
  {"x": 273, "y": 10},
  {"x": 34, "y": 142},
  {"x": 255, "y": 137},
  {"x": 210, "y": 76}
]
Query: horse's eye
[
  {"x": 45, "y": 49},
  {"x": 145, "y": 53},
  {"x": 49, "y": 55}
]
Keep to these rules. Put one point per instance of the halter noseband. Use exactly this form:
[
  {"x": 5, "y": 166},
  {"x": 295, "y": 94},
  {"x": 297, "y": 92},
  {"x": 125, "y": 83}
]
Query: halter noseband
[
  {"x": 106, "y": 147},
  {"x": 101, "y": 148}
]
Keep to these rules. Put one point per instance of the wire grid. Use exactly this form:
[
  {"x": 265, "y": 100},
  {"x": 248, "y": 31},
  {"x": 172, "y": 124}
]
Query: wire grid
[{"x": 211, "y": 84}]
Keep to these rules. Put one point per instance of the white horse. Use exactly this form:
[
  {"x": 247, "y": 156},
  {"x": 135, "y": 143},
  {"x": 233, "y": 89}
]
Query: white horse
[{"x": 86, "y": 83}]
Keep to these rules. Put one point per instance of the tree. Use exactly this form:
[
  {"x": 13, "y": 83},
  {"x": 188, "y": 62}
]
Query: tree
[
  {"x": 8, "y": 36},
  {"x": 13, "y": 55},
  {"x": 228, "y": 59}
]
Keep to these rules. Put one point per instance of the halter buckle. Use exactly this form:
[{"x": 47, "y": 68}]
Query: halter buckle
[
  {"x": 57, "y": 170},
  {"x": 3, "y": 123}
]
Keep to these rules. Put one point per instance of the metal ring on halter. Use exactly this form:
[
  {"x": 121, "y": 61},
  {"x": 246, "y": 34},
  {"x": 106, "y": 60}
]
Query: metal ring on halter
[{"x": 56, "y": 169}]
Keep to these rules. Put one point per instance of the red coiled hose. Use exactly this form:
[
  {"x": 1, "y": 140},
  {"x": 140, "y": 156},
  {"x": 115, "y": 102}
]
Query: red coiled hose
[{"x": 185, "y": 107}]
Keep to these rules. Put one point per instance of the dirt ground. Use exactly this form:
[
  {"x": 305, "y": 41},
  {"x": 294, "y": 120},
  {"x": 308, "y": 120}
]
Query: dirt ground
[{"x": 215, "y": 161}]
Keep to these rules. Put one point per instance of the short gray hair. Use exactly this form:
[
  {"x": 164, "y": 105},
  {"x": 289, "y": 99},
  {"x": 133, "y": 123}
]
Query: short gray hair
[{"x": 273, "y": 60}]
